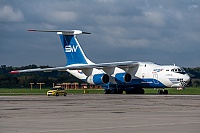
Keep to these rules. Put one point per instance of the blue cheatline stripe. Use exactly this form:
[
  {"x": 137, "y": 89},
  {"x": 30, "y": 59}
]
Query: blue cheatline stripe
[
  {"x": 142, "y": 83},
  {"x": 72, "y": 50}
]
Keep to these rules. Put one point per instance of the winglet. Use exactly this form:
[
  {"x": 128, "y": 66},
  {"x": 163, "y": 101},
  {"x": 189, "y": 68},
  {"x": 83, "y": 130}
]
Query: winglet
[{"x": 14, "y": 72}]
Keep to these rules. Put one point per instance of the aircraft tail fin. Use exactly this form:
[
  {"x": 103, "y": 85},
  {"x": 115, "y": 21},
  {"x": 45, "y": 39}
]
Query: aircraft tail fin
[{"x": 71, "y": 46}]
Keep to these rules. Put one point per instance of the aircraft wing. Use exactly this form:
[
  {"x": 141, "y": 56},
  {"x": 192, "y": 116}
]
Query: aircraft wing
[{"x": 126, "y": 64}]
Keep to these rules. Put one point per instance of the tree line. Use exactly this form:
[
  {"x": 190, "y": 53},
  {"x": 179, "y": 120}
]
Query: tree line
[
  {"x": 8, "y": 80},
  {"x": 24, "y": 79}
]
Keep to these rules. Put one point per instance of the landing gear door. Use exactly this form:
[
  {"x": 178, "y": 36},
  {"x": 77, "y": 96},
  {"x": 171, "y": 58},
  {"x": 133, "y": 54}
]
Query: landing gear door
[{"x": 155, "y": 78}]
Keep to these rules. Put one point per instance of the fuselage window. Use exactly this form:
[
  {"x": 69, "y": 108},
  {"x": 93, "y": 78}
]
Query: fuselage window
[{"x": 178, "y": 70}]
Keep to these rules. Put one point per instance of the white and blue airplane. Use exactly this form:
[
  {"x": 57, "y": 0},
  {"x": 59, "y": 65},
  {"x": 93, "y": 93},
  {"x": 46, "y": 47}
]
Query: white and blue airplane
[{"x": 114, "y": 77}]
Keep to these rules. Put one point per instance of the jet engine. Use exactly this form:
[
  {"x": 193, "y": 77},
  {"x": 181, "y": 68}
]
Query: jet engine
[
  {"x": 123, "y": 78},
  {"x": 98, "y": 79}
]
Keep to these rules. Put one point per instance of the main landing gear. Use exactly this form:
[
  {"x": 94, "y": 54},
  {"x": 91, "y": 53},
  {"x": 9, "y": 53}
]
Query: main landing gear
[
  {"x": 114, "y": 91},
  {"x": 135, "y": 91},
  {"x": 163, "y": 91}
]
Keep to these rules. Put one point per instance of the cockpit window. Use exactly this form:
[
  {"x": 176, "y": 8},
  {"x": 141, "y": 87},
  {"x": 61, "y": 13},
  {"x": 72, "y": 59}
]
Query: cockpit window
[{"x": 178, "y": 70}]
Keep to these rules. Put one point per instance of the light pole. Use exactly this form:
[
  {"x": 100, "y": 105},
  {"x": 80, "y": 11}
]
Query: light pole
[
  {"x": 40, "y": 85},
  {"x": 31, "y": 85}
]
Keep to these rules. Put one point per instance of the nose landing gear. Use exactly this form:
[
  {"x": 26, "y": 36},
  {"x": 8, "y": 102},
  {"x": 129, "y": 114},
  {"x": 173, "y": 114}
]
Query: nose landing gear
[{"x": 160, "y": 92}]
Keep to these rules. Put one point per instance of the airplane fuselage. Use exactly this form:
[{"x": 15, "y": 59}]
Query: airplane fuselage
[{"x": 146, "y": 75}]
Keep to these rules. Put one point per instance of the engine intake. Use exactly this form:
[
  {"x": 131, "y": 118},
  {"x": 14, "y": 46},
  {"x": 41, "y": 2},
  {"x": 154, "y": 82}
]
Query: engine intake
[
  {"x": 98, "y": 79},
  {"x": 123, "y": 78}
]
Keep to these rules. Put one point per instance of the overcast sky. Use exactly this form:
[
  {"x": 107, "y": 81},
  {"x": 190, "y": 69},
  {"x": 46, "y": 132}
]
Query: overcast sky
[{"x": 160, "y": 31}]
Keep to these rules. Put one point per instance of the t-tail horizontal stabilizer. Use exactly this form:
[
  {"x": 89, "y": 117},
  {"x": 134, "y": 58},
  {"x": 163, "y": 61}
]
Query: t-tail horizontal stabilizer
[
  {"x": 65, "y": 32},
  {"x": 71, "y": 46}
]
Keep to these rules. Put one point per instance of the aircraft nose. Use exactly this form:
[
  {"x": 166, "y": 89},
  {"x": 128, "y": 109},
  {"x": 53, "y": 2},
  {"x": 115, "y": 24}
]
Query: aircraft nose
[{"x": 186, "y": 78}]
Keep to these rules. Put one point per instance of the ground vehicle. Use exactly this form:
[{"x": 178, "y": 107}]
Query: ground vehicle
[{"x": 56, "y": 91}]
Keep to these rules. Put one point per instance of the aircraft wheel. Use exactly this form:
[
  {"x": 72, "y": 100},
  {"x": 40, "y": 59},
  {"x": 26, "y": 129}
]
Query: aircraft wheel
[
  {"x": 113, "y": 91},
  {"x": 165, "y": 92},
  {"x": 135, "y": 91},
  {"x": 141, "y": 91},
  {"x": 160, "y": 92},
  {"x": 129, "y": 92},
  {"x": 116, "y": 91},
  {"x": 107, "y": 91},
  {"x": 57, "y": 94},
  {"x": 120, "y": 92}
]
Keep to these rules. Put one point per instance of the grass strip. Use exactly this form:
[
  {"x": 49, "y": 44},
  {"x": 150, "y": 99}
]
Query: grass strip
[{"x": 36, "y": 91}]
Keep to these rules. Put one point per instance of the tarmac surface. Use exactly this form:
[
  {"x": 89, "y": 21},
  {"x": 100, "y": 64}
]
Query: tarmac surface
[{"x": 99, "y": 113}]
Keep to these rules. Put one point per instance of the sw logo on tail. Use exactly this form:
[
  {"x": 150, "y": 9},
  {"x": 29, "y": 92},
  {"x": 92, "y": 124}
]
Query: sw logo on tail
[
  {"x": 71, "y": 48},
  {"x": 114, "y": 77}
]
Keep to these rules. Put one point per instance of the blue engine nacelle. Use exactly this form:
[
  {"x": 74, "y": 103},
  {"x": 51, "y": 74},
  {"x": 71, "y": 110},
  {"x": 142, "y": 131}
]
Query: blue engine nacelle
[
  {"x": 98, "y": 79},
  {"x": 123, "y": 78}
]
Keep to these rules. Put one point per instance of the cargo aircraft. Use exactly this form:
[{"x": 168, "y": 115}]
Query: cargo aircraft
[{"x": 114, "y": 77}]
